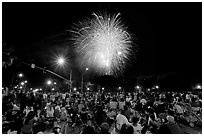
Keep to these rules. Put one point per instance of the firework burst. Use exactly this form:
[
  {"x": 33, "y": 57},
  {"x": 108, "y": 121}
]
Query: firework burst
[{"x": 102, "y": 43}]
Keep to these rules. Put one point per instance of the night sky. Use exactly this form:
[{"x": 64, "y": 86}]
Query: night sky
[{"x": 168, "y": 36}]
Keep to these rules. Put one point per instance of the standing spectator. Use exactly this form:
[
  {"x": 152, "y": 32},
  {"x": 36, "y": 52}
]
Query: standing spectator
[
  {"x": 63, "y": 119},
  {"x": 50, "y": 111},
  {"x": 136, "y": 126}
]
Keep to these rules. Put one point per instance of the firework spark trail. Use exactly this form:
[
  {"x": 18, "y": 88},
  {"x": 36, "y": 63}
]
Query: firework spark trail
[{"x": 103, "y": 43}]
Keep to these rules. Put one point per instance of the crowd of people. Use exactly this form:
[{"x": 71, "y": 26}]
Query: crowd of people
[{"x": 28, "y": 112}]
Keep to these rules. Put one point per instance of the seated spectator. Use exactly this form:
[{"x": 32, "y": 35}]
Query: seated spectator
[
  {"x": 171, "y": 127},
  {"x": 129, "y": 129},
  {"x": 100, "y": 116},
  {"x": 136, "y": 126},
  {"x": 88, "y": 130},
  {"x": 120, "y": 120},
  {"x": 49, "y": 129}
]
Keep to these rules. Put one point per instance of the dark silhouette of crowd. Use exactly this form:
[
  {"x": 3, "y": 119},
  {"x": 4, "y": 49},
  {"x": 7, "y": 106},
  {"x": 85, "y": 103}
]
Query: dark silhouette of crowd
[{"x": 28, "y": 112}]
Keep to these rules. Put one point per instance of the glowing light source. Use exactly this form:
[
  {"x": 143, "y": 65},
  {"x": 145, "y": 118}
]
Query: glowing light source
[
  {"x": 103, "y": 43},
  {"x": 88, "y": 88},
  {"x": 60, "y": 60},
  {"x": 49, "y": 82},
  {"x": 20, "y": 75},
  {"x": 199, "y": 87},
  {"x": 22, "y": 83},
  {"x": 26, "y": 81},
  {"x": 119, "y": 87},
  {"x": 103, "y": 88},
  {"x": 157, "y": 87},
  {"x": 75, "y": 89},
  {"x": 138, "y": 87}
]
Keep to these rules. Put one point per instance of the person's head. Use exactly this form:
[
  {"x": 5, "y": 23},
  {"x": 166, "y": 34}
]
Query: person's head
[
  {"x": 123, "y": 129},
  {"x": 104, "y": 128},
  {"x": 129, "y": 130},
  {"x": 170, "y": 119},
  {"x": 135, "y": 120}
]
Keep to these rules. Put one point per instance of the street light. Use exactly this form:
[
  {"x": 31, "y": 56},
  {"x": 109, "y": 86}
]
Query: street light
[
  {"x": 60, "y": 60},
  {"x": 26, "y": 81},
  {"x": 75, "y": 89},
  {"x": 199, "y": 87},
  {"x": 20, "y": 75},
  {"x": 157, "y": 87},
  {"x": 22, "y": 83},
  {"x": 49, "y": 82},
  {"x": 82, "y": 78}
]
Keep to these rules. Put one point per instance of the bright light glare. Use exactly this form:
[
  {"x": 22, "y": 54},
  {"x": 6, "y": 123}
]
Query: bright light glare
[
  {"x": 61, "y": 60},
  {"x": 49, "y": 82},
  {"x": 87, "y": 69},
  {"x": 157, "y": 87},
  {"x": 22, "y": 83},
  {"x": 88, "y": 88},
  {"x": 26, "y": 81},
  {"x": 102, "y": 88},
  {"x": 75, "y": 89},
  {"x": 138, "y": 87},
  {"x": 198, "y": 87},
  {"x": 119, "y": 87}
]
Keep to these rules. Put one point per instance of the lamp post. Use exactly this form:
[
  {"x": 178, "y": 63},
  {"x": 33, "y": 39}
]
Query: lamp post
[
  {"x": 82, "y": 80},
  {"x": 61, "y": 62}
]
